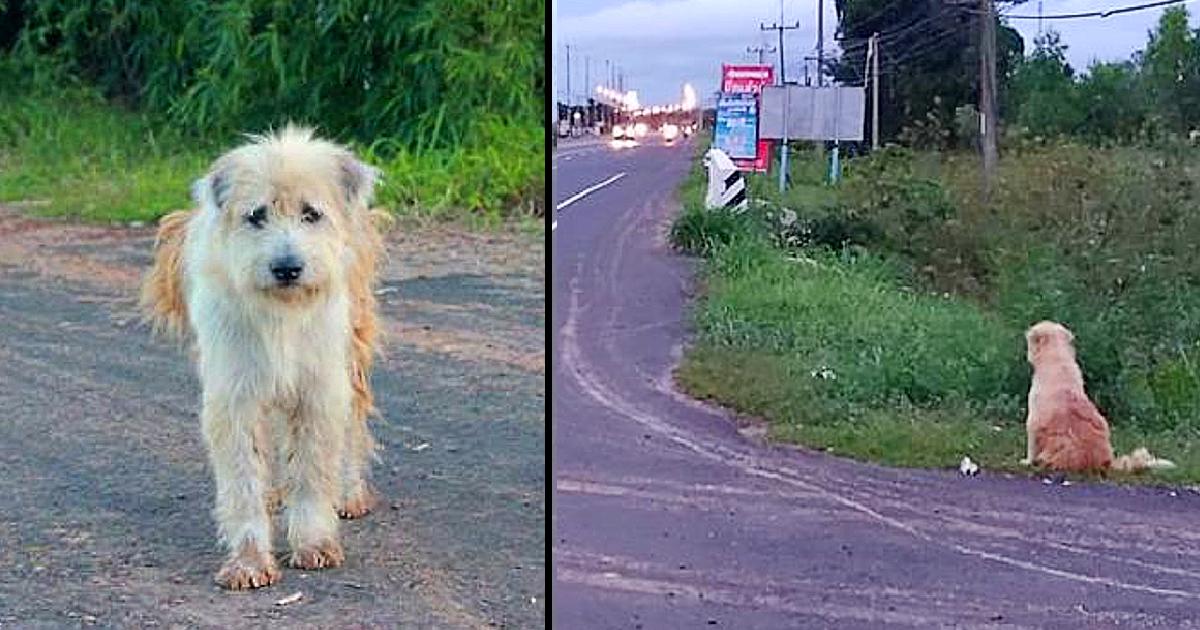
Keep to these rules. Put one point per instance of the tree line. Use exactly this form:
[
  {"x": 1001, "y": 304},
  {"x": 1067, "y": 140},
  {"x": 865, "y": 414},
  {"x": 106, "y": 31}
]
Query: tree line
[{"x": 929, "y": 77}]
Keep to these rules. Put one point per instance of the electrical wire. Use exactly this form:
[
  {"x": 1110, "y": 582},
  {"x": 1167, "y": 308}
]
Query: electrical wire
[{"x": 1091, "y": 14}]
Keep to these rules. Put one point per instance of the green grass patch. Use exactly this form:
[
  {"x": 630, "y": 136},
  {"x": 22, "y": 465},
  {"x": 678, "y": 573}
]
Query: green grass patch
[
  {"x": 883, "y": 319},
  {"x": 69, "y": 152}
]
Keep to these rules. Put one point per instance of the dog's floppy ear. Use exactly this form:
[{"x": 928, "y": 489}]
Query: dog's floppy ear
[
  {"x": 1036, "y": 337},
  {"x": 212, "y": 190},
  {"x": 358, "y": 180}
]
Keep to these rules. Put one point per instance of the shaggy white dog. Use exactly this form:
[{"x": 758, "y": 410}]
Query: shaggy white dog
[{"x": 272, "y": 275}]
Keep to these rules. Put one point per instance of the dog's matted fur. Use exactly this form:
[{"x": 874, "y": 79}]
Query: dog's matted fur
[
  {"x": 272, "y": 274},
  {"x": 1065, "y": 429}
]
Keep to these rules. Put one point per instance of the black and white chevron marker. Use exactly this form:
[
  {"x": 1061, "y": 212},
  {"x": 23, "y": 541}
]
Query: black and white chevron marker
[{"x": 726, "y": 185}]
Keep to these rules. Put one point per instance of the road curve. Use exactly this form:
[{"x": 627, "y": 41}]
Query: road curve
[{"x": 666, "y": 516}]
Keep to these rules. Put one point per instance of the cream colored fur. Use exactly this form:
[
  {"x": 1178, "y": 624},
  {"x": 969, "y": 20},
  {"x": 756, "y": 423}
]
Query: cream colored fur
[{"x": 284, "y": 368}]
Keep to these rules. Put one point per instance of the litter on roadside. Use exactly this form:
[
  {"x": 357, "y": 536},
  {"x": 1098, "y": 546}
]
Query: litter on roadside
[
  {"x": 968, "y": 468},
  {"x": 290, "y": 599}
]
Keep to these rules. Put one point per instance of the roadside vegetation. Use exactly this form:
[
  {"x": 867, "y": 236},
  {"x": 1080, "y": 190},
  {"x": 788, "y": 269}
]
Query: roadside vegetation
[
  {"x": 109, "y": 110},
  {"x": 883, "y": 318}
]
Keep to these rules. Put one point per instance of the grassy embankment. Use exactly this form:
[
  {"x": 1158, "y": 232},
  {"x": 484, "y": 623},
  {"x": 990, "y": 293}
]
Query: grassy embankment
[
  {"x": 65, "y": 151},
  {"x": 883, "y": 319}
]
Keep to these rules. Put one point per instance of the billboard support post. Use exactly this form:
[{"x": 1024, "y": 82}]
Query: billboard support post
[{"x": 783, "y": 154}]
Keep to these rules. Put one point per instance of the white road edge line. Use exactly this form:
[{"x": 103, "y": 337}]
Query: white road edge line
[
  {"x": 589, "y": 190},
  {"x": 554, "y": 226}
]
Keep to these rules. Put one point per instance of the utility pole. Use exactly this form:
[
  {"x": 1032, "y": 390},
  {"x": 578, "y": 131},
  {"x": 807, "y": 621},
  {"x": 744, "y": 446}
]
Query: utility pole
[
  {"x": 760, "y": 50},
  {"x": 568, "y": 75},
  {"x": 608, "y": 73},
  {"x": 783, "y": 153},
  {"x": 873, "y": 59},
  {"x": 780, "y": 28},
  {"x": 987, "y": 93},
  {"x": 820, "y": 43}
]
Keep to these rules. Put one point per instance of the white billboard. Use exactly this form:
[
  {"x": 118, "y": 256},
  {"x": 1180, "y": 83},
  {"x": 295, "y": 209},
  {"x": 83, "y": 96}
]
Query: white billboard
[{"x": 816, "y": 113}]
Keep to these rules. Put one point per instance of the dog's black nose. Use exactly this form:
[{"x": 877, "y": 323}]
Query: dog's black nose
[{"x": 287, "y": 269}]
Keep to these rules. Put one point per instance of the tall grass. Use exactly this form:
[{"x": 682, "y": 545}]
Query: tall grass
[
  {"x": 123, "y": 101},
  {"x": 428, "y": 74},
  {"x": 66, "y": 150}
]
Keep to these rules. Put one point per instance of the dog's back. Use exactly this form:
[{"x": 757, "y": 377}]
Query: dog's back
[{"x": 1071, "y": 434}]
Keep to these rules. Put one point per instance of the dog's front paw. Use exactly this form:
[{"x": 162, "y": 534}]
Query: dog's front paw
[
  {"x": 322, "y": 555},
  {"x": 248, "y": 570},
  {"x": 358, "y": 504}
]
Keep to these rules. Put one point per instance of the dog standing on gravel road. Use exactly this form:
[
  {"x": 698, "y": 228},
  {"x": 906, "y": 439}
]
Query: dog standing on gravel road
[
  {"x": 1065, "y": 430},
  {"x": 272, "y": 274}
]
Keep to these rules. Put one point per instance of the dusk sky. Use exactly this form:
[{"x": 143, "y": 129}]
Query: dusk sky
[{"x": 662, "y": 44}]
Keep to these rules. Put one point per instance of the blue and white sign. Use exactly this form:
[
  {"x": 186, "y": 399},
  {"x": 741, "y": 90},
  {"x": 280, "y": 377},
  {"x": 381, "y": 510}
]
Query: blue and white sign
[{"x": 736, "y": 131}]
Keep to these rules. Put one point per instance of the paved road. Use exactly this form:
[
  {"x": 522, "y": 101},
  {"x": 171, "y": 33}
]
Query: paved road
[
  {"x": 665, "y": 515},
  {"x": 105, "y": 496}
]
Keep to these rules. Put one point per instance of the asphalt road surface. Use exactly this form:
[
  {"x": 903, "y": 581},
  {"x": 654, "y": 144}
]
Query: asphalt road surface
[
  {"x": 105, "y": 493},
  {"x": 667, "y": 515}
]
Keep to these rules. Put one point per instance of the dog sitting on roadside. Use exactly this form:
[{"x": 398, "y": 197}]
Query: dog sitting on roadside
[
  {"x": 1065, "y": 431},
  {"x": 272, "y": 275}
]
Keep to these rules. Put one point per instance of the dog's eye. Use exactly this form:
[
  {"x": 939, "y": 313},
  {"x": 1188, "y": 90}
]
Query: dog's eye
[
  {"x": 310, "y": 214},
  {"x": 257, "y": 217}
]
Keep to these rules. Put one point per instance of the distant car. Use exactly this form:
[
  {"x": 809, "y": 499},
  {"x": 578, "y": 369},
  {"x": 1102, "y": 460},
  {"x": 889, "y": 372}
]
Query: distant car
[{"x": 670, "y": 132}]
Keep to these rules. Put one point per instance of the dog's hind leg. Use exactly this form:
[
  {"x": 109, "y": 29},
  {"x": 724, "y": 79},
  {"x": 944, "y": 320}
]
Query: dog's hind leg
[
  {"x": 357, "y": 499},
  {"x": 315, "y": 454},
  {"x": 237, "y": 447}
]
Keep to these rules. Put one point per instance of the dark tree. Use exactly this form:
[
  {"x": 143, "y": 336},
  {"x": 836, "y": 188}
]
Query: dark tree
[{"x": 929, "y": 62}]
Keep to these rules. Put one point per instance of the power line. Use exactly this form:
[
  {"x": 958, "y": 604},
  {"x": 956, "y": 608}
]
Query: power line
[
  {"x": 935, "y": 41},
  {"x": 889, "y": 33},
  {"x": 1100, "y": 14},
  {"x": 930, "y": 40},
  {"x": 895, "y": 62},
  {"x": 898, "y": 33},
  {"x": 886, "y": 8}
]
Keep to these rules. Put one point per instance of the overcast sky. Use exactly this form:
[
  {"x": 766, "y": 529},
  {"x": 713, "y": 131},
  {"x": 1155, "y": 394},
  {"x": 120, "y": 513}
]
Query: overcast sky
[{"x": 661, "y": 44}]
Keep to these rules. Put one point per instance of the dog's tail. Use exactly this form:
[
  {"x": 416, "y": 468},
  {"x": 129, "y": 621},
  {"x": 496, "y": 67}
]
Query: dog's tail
[
  {"x": 163, "y": 302},
  {"x": 1141, "y": 459}
]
